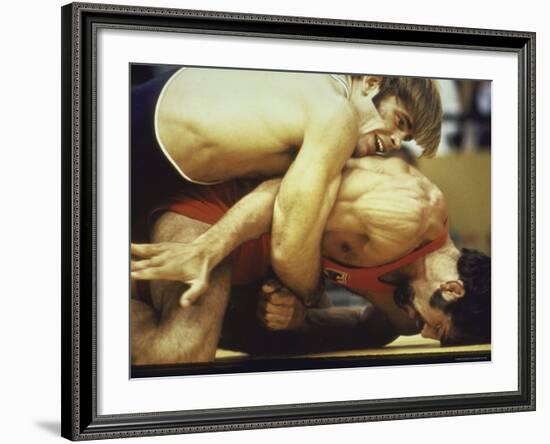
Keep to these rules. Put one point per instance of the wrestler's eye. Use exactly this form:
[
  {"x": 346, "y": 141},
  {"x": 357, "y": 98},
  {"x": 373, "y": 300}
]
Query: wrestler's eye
[{"x": 404, "y": 124}]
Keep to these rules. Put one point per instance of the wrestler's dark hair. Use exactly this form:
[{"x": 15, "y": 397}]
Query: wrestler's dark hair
[
  {"x": 470, "y": 314},
  {"x": 422, "y": 100}
]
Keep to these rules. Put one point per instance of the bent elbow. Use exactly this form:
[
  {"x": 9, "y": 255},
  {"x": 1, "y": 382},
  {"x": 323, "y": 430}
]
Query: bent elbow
[{"x": 281, "y": 252}]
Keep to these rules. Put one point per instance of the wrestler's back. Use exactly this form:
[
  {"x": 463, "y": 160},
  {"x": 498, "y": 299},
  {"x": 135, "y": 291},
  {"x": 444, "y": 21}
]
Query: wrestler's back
[
  {"x": 402, "y": 182},
  {"x": 390, "y": 201},
  {"x": 221, "y": 124}
]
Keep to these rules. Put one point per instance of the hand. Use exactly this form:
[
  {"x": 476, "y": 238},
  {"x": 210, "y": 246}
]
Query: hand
[
  {"x": 279, "y": 309},
  {"x": 186, "y": 262}
]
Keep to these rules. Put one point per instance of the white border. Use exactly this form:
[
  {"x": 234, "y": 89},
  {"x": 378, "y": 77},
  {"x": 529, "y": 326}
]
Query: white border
[{"x": 118, "y": 394}]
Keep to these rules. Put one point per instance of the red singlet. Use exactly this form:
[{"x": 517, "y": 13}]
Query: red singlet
[{"x": 251, "y": 261}]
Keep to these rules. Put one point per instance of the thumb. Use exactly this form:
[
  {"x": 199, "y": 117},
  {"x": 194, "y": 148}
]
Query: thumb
[
  {"x": 194, "y": 292},
  {"x": 271, "y": 286}
]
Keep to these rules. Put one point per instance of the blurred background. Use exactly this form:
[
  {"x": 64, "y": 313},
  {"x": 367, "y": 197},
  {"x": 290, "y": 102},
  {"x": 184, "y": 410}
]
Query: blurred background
[{"x": 462, "y": 167}]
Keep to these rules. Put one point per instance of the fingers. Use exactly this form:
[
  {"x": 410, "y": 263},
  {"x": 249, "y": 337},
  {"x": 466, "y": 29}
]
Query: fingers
[
  {"x": 282, "y": 297},
  {"x": 270, "y": 286},
  {"x": 147, "y": 263},
  {"x": 272, "y": 321},
  {"x": 276, "y": 319},
  {"x": 276, "y": 307},
  {"x": 152, "y": 256},
  {"x": 276, "y": 293},
  {"x": 274, "y": 316},
  {"x": 149, "y": 269},
  {"x": 276, "y": 322},
  {"x": 146, "y": 250},
  {"x": 281, "y": 310},
  {"x": 147, "y": 274}
]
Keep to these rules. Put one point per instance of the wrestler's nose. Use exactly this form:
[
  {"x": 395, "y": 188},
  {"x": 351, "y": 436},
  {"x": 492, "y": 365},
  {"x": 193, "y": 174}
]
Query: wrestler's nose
[{"x": 395, "y": 142}]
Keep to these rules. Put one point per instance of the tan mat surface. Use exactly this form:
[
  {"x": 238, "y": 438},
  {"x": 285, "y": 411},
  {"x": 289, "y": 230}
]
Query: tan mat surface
[{"x": 404, "y": 345}]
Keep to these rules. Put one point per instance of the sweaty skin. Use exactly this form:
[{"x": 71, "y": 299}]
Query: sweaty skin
[
  {"x": 384, "y": 210},
  {"x": 221, "y": 124},
  {"x": 195, "y": 258}
]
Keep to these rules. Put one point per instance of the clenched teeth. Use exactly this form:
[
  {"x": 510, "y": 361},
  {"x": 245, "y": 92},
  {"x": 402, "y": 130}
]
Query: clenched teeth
[{"x": 379, "y": 145}]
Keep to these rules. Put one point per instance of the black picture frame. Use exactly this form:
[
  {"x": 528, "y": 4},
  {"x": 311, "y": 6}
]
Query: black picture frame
[{"x": 80, "y": 420}]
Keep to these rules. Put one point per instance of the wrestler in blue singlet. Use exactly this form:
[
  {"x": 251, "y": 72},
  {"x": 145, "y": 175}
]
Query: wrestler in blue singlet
[{"x": 152, "y": 176}]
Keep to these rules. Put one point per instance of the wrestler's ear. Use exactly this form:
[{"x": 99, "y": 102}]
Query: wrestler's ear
[
  {"x": 452, "y": 290},
  {"x": 371, "y": 85}
]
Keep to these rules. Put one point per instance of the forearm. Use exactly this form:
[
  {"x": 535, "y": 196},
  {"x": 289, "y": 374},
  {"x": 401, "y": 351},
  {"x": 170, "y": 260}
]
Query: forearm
[
  {"x": 192, "y": 261},
  {"x": 248, "y": 219},
  {"x": 345, "y": 328},
  {"x": 306, "y": 196},
  {"x": 299, "y": 221}
]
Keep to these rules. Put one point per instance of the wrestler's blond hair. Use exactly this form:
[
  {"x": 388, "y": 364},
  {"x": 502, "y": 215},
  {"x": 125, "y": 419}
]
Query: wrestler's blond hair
[{"x": 422, "y": 100}]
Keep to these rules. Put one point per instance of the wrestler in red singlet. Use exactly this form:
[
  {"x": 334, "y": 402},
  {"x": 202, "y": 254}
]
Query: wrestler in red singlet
[{"x": 251, "y": 261}]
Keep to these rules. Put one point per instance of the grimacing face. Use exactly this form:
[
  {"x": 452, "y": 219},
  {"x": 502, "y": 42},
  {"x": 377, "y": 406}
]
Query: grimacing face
[
  {"x": 435, "y": 282},
  {"x": 347, "y": 249},
  {"x": 383, "y": 128},
  {"x": 416, "y": 297}
]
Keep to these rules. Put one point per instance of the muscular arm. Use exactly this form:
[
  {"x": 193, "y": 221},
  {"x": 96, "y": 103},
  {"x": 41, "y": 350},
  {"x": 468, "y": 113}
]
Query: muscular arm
[
  {"x": 305, "y": 199},
  {"x": 248, "y": 219},
  {"x": 192, "y": 262},
  {"x": 322, "y": 329},
  {"x": 345, "y": 328}
]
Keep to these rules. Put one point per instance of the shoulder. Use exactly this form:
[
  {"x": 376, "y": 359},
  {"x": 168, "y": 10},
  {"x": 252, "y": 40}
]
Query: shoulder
[
  {"x": 330, "y": 106},
  {"x": 426, "y": 203},
  {"x": 332, "y": 118},
  {"x": 401, "y": 197},
  {"x": 323, "y": 100}
]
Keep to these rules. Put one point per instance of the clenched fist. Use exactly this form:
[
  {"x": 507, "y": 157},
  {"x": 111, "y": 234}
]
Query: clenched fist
[{"x": 279, "y": 308}]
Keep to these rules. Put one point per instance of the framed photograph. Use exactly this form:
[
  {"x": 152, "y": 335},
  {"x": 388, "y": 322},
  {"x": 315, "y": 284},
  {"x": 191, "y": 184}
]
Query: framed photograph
[{"x": 277, "y": 221}]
